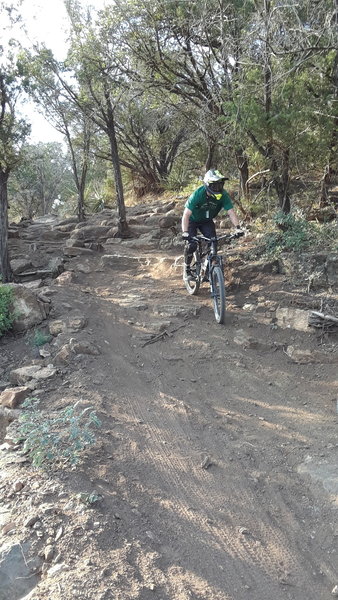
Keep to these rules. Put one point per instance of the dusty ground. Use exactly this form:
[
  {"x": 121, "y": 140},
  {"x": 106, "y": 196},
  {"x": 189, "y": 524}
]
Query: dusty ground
[{"x": 216, "y": 459}]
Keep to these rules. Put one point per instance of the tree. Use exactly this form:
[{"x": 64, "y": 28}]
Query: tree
[
  {"x": 46, "y": 89},
  {"x": 13, "y": 132},
  {"x": 151, "y": 136},
  {"x": 192, "y": 51},
  {"x": 243, "y": 65},
  {"x": 44, "y": 175},
  {"x": 92, "y": 59}
]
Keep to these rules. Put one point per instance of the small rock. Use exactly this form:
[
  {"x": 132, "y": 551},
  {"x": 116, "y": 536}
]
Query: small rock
[
  {"x": 58, "y": 534},
  {"x": 49, "y": 552},
  {"x": 11, "y": 397},
  {"x": 335, "y": 591},
  {"x": 206, "y": 462},
  {"x": 49, "y": 541},
  {"x": 18, "y": 485},
  {"x": 65, "y": 278},
  {"x": 56, "y": 327},
  {"x": 243, "y": 531},
  {"x": 55, "y": 569},
  {"x": 8, "y": 527},
  {"x": 31, "y": 521}
]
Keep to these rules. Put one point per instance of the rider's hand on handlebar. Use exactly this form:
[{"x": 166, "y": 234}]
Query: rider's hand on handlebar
[{"x": 185, "y": 236}]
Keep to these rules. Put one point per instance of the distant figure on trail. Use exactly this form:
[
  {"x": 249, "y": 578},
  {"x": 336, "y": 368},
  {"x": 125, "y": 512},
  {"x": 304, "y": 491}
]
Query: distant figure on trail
[{"x": 201, "y": 208}]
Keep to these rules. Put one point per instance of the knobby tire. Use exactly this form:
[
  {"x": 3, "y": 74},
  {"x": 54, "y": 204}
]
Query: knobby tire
[
  {"x": 218, "y": 294},
  {"x": 195, "y": 266}
]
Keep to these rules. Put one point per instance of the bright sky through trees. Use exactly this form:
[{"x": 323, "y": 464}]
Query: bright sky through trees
[{"x": 46, "y": 22}]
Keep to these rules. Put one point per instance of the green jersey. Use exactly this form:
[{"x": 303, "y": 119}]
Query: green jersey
[{"x": 206, "y": 207}]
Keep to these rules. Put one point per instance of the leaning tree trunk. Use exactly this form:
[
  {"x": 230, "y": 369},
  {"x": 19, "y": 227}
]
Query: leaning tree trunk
[
  {"x": 81, "y": 194},
  {"x": 5, "y": 268},
  {"x": 123, "y": 229}
]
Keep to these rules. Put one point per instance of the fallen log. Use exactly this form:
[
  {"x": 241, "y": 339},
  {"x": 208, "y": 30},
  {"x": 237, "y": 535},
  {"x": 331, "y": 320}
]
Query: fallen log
[{"x": 323, "y": 321}]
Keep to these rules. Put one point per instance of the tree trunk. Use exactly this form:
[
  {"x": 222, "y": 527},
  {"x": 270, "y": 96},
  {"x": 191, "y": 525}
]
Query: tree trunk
[
  {"x": 209, "y": 163},
  {"x": 80, "y": 205},
  {"x": 5, "y": 267},
  {"x": 281, "y": 181},
  {"x": 243, "y": 167},
  {"x": 81, "y": 193},
  {"x": 123, "y": 229},
  {"x": 331, "y": 169}
]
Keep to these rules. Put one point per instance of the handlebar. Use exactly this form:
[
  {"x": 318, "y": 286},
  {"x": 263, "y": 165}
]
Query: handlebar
[{"x": 228, "y": 236}]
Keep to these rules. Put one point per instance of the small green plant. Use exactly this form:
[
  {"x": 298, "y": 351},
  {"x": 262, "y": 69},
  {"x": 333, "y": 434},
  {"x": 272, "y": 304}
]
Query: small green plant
[
  {"x": 89, "y": 499},
  {"x": 6, "y": 315},
  {"x": 59, "y": 438},
  {"x": 40, "y": 338}
]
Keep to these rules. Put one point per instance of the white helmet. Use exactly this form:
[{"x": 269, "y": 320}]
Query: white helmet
[{"x": 212, "y": 176}]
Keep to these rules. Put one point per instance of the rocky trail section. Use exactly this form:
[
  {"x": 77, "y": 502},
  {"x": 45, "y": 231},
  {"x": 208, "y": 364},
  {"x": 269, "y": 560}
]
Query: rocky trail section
[{"x": 214, "y": 473}]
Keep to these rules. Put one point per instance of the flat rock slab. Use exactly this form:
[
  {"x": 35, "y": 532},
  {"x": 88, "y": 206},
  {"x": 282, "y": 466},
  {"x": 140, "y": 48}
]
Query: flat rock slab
[
  {"x": 119, "y": 261},
  {"x": 176, "y": 311},
  {"x": 323, "y": 471},
  {"x": 293, "y": 318},
  {"x": 16, "y": 579},
  {"x": 23, "y": 374}
]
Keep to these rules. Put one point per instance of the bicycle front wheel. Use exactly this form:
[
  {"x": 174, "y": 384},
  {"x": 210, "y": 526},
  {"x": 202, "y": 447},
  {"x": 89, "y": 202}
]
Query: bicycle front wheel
[
  {"x": 218, "y": 294},
  {"x": 192, "y": 282}
]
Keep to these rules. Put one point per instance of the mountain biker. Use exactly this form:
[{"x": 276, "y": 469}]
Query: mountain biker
[{"x": 201, "y": 208}]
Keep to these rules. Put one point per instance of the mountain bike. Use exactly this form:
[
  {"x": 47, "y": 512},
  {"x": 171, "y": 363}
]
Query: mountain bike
[{"x": 207, "y": 266}]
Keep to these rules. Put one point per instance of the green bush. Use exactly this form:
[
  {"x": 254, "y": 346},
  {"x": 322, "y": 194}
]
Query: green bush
[
  {"x": 293, "y": 233},
  {"x": 56, "y": 439},
  {"x": 6, "y": 316}
]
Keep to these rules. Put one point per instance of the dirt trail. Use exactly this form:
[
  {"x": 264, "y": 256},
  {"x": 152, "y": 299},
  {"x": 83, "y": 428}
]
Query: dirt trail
[{"x": 216, "y": 461}]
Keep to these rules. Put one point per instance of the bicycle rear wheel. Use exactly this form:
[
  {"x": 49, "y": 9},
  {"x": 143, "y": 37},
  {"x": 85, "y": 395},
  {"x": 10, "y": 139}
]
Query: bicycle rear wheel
[
  {"x": 218, "y": 294},
  {"x": 193, "y": 284}
]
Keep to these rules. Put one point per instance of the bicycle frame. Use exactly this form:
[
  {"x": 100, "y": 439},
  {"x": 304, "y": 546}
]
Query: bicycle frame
[
  {"x": 208, "y": 266},
  {"x": 213, "y": 258}
]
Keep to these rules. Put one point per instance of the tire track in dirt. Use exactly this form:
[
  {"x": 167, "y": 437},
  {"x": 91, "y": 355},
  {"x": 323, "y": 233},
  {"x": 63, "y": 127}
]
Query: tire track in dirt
[{"x": 197, "y": 514}]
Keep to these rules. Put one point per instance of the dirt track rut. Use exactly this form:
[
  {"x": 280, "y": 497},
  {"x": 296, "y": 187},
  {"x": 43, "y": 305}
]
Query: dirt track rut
[{"x": 207, "y": 441}]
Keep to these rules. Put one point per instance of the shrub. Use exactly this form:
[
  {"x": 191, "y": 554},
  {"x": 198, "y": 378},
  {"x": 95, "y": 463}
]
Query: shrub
[
  {"x": 40, "y": 338},
  {"x": 59, "y": 438},
  {"x": 294, "y": 234},
  {"x": 6, "y": 316}
]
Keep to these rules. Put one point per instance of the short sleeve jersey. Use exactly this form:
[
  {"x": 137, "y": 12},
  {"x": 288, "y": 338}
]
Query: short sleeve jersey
[{"x": 206, "y": 207}]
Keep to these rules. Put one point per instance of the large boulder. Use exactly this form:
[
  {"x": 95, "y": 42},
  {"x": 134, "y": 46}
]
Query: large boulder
[
  {"x": 90, "y": 233},
  {"x": 19, "y": 265},
  {"x": 169, "y": 220},
  {"x": 53, "y": 234},
  {"x": 28, "y": 309}
]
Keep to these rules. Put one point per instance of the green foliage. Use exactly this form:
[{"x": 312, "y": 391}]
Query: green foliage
[
  {"x": 44, "y": 175},
  {"x": 56, "y": 439},
  {"x": 89, "y": 499},
  {"x": 6, "y": 314},
  {"x": 40, "y": 338},
  {"x": 295, "y": 234}
]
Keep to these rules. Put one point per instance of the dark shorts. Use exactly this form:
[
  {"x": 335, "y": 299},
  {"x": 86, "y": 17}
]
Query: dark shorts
[{"x": 206, "y": 228}]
